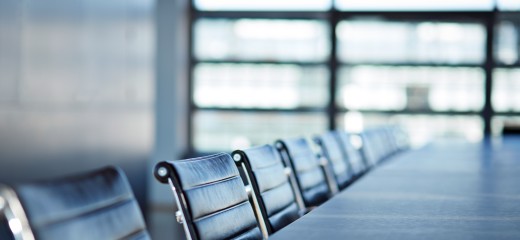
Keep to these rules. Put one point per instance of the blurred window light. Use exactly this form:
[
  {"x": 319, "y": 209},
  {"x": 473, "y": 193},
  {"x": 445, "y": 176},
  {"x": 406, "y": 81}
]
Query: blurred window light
[
  {"x": 240, "y": 142},
  {"x": 508, "y": 5},
  {"x": 412, "y": 88},
  {"x": 263, "y": 5},
  {"x": 424, "y": 128},
  {"x": 413, "y": 5},
  {"x": 506, "y": 43},
  {"x": 418, "y": 42},
  {"x": 506, "y": 90},
  {"x": 274, "y": 30},
  {"x": 263, "y": 40},
  {"x": 353, "y": 122},
  {"x": 222, "y": 131},
  {"x": 283, "y": 86}
]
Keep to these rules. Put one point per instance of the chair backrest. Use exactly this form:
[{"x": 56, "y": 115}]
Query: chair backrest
[
  {"x": 338, "y": 164},
  {"x": 376, "y": 144},
  {"x": 97, "y": 205},
  {"x": 354, "y": 156},
  {"x": 304, "y": 163},
  {"x": 369, "y": 148},
  {"x": 268, "y": 177},
  {"x": 211, "y": 197}
]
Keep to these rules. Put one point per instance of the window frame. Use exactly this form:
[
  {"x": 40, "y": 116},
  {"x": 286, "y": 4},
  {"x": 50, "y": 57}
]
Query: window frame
[{"x": 332, "y": 17}]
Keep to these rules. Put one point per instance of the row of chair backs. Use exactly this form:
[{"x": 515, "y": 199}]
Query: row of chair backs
[
  {"x": 96, "y": 205},
  {"x": 214, "y": 201},
  {"x": 284, "y": 181},
  {"x": 382, "y": 142}
]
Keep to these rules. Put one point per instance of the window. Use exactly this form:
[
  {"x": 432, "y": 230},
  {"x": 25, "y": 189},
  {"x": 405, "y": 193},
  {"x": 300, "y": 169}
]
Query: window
[
  {"x": 261, "y": 40},
  {"x": 262, "y": 70},
  {"x": 222, "y": 131},
  {"x": 256, "y": 79},
  {"x": 397, "y": 88},
  {"x": 420, "y": 127}
]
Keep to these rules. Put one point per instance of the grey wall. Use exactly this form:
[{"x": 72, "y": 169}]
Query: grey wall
[
  {"x": 171, "y": 110},
  {"x": 76, "y": 88}
]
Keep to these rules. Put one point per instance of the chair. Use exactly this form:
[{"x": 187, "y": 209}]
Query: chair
[
  {"x": 369, "y": 148},
  {"x": 353, "y": 155},
  {"x": 97, "y": 205},
  {"x": 340, "y": 168},
  {"x": 305, "y": 165},
  {"x": 212, "y": 199},
  {"x": 401, "y": 138},
  {"x": 269, "y": 179}
]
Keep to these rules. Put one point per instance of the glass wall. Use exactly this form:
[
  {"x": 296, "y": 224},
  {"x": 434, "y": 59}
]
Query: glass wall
[
  {"x": 506, "y": 75},
  {"x": 256, "y": 80},
  {"x": 263, "y": 70}
]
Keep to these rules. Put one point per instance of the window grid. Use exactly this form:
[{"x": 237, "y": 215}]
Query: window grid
[{"x": 333, "y": 17}]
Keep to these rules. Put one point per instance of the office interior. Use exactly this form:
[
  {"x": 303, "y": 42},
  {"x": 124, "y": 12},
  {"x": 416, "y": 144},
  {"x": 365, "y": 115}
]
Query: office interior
[{"x": 89, "y": 83}]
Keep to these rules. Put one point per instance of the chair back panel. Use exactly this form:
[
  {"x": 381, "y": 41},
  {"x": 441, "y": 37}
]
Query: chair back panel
[
  {"x": 265, "y": 168},
  {"x": 212, "y": 192},
  {"x": 99, "y": 205},
  {"x": 337, "y": 161},
  {"x": 369, "y": 148},
  {"x": 305, "y": 165},
  {"x": 354, "y": 157}
]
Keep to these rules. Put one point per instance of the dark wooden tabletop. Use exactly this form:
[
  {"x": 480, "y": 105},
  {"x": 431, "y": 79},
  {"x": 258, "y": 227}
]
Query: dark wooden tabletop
[{"x": 450, "y": 189}]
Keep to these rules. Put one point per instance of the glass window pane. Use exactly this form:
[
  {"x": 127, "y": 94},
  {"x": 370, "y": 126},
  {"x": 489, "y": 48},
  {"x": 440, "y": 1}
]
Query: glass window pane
[
  {"x": 263, "y": 5},
  {"x": 506, "y": 90},
  {"x": 508, "y": 5},
  {"x": 283, "y": 86},
  {"x": 414, "y": 5},
  {"x": 413, "y": 88},
  {"x": 506, "y": 42},
  {"x": 420, "y": 128},
  {"x": 423, "y": 42},
  {"x": 265, "y": 40},
  {"x": 226, "y": 131}
]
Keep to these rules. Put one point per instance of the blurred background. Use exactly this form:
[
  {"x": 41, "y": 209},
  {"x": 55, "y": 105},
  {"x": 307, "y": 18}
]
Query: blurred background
[{"x": 88, "y": 83}]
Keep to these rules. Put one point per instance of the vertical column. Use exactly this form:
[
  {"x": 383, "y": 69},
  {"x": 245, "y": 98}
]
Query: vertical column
[
  {"x": 487, "y": 112},
  {"x": 171, "y": 79},
  {"x": 332, "y": 109}
]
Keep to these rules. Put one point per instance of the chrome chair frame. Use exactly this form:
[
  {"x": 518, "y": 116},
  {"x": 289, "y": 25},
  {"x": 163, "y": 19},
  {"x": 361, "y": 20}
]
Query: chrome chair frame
[{"x": 11, "y": 209}]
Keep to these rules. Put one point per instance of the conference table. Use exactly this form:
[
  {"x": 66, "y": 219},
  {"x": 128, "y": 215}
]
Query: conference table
[{"x": 449, "y": 189}]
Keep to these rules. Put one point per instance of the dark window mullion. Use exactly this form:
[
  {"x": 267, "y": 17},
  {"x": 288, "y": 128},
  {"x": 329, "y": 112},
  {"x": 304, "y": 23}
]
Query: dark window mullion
[
  {"x": 191, "y": 67},
  {"x": 333, "y": 68},
  {"x": 411, "y": 112},
  {"x": 487, "y": 111},
  {"x": 310, "y": 63},
  {"x": 411, "y": 64},
  {"x": 280, "y": 15},
  {"x": 419, "y": 16}
]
